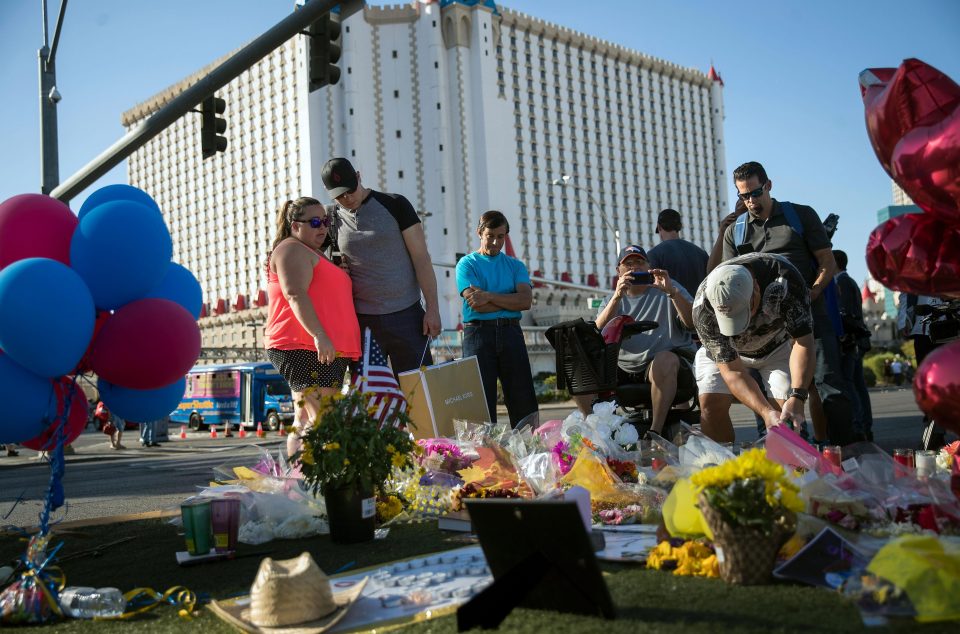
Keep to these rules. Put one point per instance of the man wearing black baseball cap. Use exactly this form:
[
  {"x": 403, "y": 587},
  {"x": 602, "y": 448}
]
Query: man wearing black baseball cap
[
  {"x": 656, "y": 356},
  {"x": 686, "y": 262},
  {"x": 385, "y": 251}
]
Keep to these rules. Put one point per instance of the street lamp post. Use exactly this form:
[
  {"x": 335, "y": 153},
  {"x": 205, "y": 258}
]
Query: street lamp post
[
  {"x": 566, "y": 179},
  {"x": 49, "y": 98}
]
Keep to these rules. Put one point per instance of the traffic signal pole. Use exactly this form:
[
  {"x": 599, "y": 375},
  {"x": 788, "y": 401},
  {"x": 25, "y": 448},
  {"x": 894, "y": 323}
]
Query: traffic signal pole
[{"x": 191, "y": 97}]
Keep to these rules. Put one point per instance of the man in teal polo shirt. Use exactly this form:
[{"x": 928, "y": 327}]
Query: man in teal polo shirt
[{"x": 495, "y": 288}]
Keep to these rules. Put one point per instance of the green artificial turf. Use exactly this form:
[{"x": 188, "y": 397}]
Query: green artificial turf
[{"x": 646, "y": 600}]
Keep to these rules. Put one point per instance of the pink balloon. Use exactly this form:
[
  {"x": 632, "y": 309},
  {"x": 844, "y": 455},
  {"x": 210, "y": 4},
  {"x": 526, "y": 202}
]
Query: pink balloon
[
  {"x": 926, "y": 164},
  {"x": 35, "y": 226},
  {"x": 76, "y": 420},
  {"x": 936, "y": 386},
  {"x": 898, "y": 100},
  {"x": 146, "y": 344},
  {"x": 916, "y": 253}
]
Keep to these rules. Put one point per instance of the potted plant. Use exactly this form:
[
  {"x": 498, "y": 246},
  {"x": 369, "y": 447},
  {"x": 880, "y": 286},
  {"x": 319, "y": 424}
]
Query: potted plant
[
  {"x": 749, "y": 506},
  {"x": 347, "y": 455}
]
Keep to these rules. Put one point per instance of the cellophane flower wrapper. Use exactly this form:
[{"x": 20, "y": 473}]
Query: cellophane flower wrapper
[
  {"x": 608, "y": 433},
  {"x": 607, "y": 491},
  {"x": 662, "y": 448},
  {"x": 549, "y": 433},
  {"x": 788, "y": 448},
  {"x": 700, "y": 452},
  {"x": 540, "y": 472}
]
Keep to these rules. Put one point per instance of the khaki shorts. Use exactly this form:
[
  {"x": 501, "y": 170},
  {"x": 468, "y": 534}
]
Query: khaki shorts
[{"x": 774, "y": 368}]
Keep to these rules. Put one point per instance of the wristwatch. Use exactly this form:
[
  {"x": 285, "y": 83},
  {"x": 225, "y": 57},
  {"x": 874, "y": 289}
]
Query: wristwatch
[{"x": 799, "y": 393}]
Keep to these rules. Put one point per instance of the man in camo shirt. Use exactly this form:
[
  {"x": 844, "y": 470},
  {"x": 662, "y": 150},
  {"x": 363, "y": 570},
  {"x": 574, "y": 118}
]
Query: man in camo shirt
[{"x": 753, "y": 312}]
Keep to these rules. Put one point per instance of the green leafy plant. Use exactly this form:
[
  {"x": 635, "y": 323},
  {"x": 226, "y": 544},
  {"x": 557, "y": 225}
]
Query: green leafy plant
[
  {"x": 348, "y": 446},
  {"x": 750, "y": 491}
]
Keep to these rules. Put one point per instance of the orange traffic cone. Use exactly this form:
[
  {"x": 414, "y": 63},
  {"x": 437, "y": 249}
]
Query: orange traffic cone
[
  {"x": 213, "y": 431},
  {"x": 183, "y": 432},
  {"x": 260, "y": 432},
  {"x": 282, "y": 430},
  {"x": 243, "y": 432}
]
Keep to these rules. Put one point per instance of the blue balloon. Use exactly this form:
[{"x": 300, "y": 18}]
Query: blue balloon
[
  {"x": 47, "y": 316},
  {"x": 142, "y": 406},
  {"x": 117, "y": 192},
  {"x": 181, "y": 287},
  {"x": 121, "y": 249},
  {"x": 27, "y": 399}
]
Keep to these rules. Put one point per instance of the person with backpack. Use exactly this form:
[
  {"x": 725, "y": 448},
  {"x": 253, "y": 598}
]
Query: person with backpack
[
  {"x": 796, "y": 232},
  {"x": 385, "y": 252}
]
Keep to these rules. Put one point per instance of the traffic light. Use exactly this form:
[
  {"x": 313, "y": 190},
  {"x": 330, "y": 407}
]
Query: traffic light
[
  {"x": 324, "y": 52},
  {"x": 212, "y": 126}
]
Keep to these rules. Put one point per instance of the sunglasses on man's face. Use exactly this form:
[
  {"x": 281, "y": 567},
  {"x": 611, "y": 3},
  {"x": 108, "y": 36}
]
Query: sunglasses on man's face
[
  {"x": 757, "y": 193},
  {"x": 316, "y": 222}
]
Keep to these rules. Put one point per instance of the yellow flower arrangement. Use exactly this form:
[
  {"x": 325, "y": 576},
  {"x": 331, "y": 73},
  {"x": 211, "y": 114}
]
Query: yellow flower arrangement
[
  {"x": 690, "y": 559},
  {"x": 749, "y": 491},
  {"x": 388, "y": 508},
  {"x": 349, "y": 447}
]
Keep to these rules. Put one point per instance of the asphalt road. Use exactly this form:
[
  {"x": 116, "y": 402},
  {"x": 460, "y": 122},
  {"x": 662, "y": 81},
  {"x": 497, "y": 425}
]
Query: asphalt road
[{"x": 101, "y": 482}]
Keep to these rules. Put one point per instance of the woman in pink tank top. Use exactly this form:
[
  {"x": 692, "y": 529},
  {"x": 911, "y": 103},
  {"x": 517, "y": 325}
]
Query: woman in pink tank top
[{"x": 312, "y": 330}]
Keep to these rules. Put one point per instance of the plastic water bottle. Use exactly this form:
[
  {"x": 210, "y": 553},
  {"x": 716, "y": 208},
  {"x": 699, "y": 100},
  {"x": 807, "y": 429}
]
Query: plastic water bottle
[{"x": 86, "y": 603}]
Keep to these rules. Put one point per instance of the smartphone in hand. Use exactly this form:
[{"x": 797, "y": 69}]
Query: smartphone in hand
[{"x": 642, "y": 277}]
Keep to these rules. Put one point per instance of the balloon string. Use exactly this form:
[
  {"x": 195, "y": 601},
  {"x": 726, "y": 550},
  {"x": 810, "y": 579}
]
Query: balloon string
[
  {"x": 140, "y": 600},
  {"x": 54, "y": 497}
]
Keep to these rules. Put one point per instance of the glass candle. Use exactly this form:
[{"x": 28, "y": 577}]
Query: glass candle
[
  {"x": 926, "y": 463},
  {"x": 904, "y": 459},
  {"x": 831, "y": 453}
]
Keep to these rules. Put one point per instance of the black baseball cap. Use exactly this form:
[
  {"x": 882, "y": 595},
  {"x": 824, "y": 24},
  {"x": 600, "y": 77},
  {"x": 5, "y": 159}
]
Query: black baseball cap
[{"x": 339, "y": 177}]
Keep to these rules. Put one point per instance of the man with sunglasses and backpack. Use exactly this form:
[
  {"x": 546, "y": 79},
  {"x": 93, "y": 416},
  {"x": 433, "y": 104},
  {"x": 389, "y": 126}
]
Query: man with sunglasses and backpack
[{"x": 384, "y": 250}]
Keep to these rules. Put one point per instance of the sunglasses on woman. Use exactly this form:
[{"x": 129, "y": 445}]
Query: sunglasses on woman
[{"x": 316, "y": 222}]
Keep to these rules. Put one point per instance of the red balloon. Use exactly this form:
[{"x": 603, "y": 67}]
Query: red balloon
[
  {"x": 35, "y": 226},
  {"x": 84, "y": 366},
  {"x": 76, "y": 420},
  {"x": 936, "y": 386},
  {"x": 897, "y": 101},
  {"x": 926, "y": 164},
  {"x": 146, "y": 344},
  {"x": 916, "y": 253}
]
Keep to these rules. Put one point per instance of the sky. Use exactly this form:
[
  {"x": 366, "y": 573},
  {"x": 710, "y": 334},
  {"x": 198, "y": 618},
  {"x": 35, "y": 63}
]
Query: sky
[{"x": 790, "y": 69}]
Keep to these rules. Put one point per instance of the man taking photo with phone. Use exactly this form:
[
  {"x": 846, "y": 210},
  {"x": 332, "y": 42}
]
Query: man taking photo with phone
[{"x": 656, "y": 356}]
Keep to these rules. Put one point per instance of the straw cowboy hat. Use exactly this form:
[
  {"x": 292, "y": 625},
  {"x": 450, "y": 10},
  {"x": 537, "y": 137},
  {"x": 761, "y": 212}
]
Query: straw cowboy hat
[{"x": 292, "y": 596}]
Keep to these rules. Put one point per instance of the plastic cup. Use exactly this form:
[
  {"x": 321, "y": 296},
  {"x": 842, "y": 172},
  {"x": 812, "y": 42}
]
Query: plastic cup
[
  {"x": 225, "y": 521},
  {"x": 196, "y": 526}
]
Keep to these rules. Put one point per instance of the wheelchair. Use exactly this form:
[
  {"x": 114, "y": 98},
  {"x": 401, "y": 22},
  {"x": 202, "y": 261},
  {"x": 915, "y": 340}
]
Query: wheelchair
[{"x": 587, "y": 364}]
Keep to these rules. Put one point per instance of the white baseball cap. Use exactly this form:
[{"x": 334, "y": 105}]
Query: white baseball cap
[{"x": 730, "y": 292}]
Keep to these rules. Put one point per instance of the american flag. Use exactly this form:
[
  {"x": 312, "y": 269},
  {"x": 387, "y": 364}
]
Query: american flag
[{"x": 376, "y": 379}]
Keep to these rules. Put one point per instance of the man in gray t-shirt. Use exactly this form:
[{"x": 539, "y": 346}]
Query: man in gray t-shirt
[
  {"x": 385, "y": 252},
  {"x": 655, "y": 356}
]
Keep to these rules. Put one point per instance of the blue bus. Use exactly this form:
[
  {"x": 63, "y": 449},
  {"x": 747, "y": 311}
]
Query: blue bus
[{"x": 235, "y": 394}]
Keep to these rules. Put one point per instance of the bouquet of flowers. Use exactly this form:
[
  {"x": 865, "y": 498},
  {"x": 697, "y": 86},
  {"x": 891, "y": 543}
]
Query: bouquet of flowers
[
  {"x": 349, "y": 446},
  {"x": 441, "y": 454}
]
